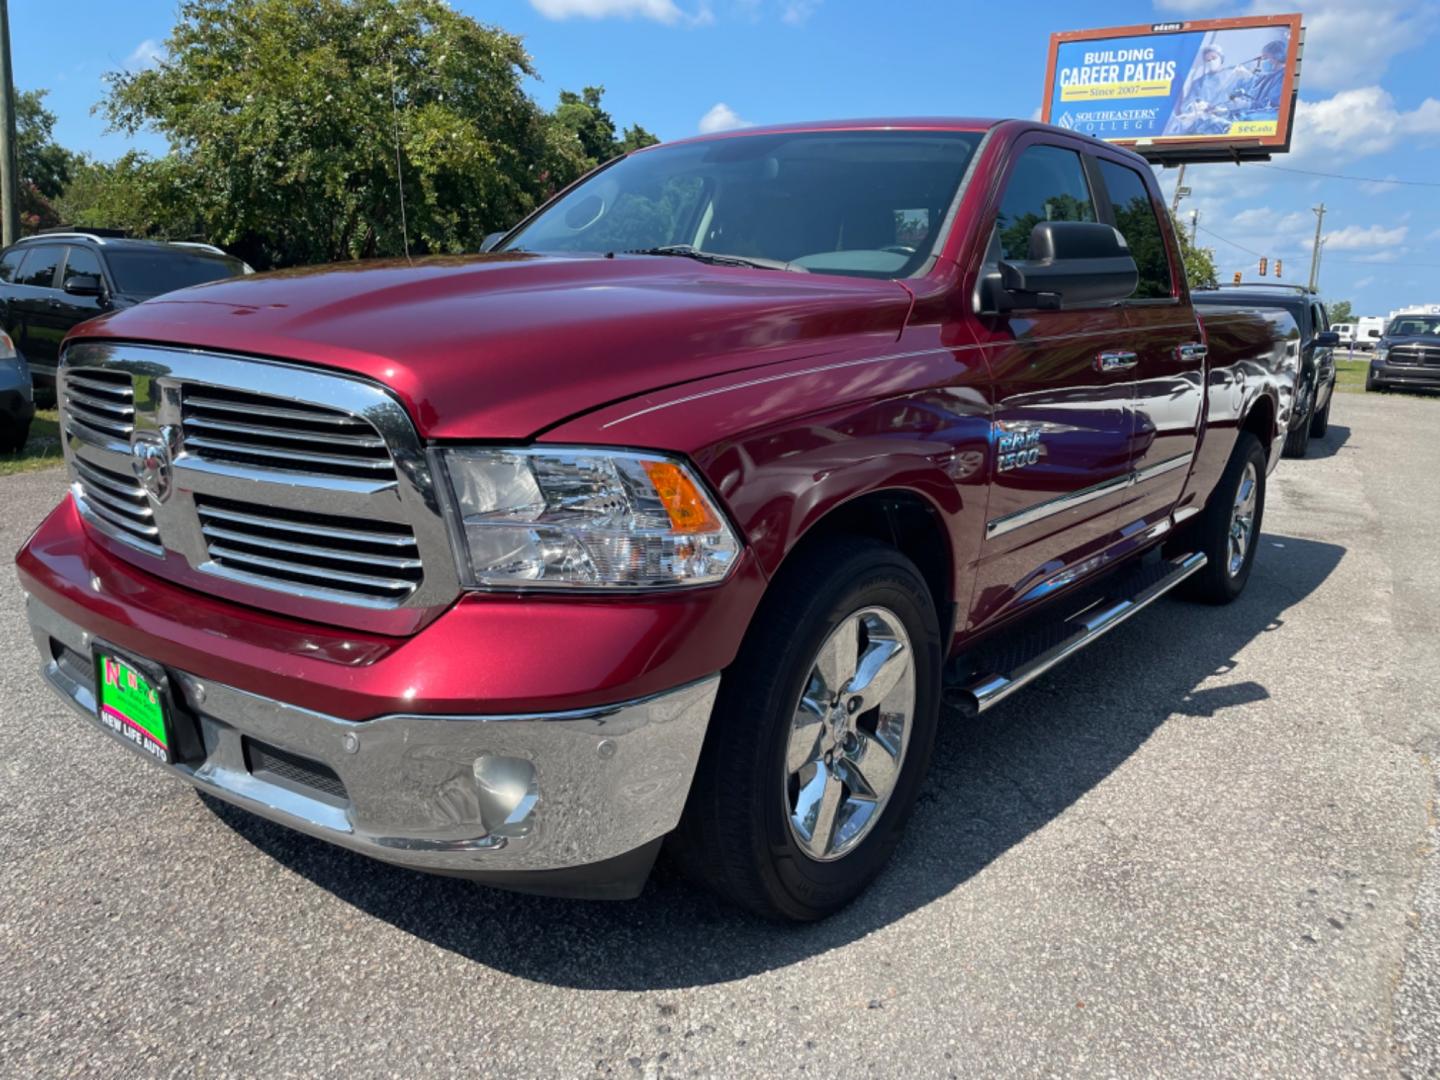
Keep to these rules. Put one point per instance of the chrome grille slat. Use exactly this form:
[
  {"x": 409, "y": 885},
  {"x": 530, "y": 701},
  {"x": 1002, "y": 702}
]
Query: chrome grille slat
[
  {"x": 306, "y": 528},
  {"x": 150, "y": 532},
  {"x": 90, "y": 380},
  {"x": 319, "y": 573},
  {"x": 142, "y": 515},
  {"x": 388, "y": 561},
  {"x": 97, "y": 403},
  {"x": 278, "y": 412},
  {"x": 285, "y": 456},
  {"x": 94, "y": 475},
  {"x": 366, "y": 441},
  {"x": 84, "y": 415}
]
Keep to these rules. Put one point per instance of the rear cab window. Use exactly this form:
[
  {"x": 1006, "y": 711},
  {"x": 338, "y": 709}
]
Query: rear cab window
[{"x": 1137, "y": 221}]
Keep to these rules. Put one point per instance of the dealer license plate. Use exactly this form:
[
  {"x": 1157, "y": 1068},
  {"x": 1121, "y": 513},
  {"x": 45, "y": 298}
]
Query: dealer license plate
[{"x": 131, "y": 705}]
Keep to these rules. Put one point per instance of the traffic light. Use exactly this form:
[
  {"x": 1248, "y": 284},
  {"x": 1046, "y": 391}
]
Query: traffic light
[
  {"x": 1263, "y": 262},
  {"x": 1278, "y": 264},
  {"x": 1237, "y": 277}
]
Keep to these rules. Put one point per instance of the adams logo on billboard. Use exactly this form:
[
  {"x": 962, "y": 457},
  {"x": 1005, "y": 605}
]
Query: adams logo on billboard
[{"x": 1222, "y": 86}]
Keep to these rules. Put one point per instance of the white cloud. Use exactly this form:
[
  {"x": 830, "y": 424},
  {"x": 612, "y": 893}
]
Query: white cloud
[
  {"x": 147, "y": 54},
  {"x": 797, "y": 12},
  {"x": 1366, "y": 236},
  {"x": 1359, "y": 122},
  {"x": 1380, "y": 187},
  {"x": 721, "y": 118},
  {"x": 1369, "y": 279},
  {"x": 662, "y": 11}
]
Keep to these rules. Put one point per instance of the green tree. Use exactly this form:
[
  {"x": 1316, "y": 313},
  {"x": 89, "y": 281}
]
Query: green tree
[
  {"x": 43, "y": 163},
  {"x": 1200, "y": 270},
  {"x": 297, "y": 126},
  {"x": 1339, "y": 312},
  {"x": 583, "y": 116}
]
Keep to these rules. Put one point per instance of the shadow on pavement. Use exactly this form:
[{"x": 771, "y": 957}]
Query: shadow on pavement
[
  {"x": 1336, "y": 437},
  {"x": 993, "y": 782}
]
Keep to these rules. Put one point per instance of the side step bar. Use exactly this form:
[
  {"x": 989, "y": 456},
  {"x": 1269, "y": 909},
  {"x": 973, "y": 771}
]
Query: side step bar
[{"x": 978, "y": 694}]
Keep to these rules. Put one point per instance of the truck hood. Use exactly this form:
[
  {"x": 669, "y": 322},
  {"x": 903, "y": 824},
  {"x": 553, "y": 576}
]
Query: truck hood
[{"x": 503, "y": 346}]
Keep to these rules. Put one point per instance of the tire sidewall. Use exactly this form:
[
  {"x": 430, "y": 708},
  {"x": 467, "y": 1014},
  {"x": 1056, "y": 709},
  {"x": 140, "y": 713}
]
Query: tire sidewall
[
  {"x": 1249, "y": 450},
  {"x": 810, "y": 888}
]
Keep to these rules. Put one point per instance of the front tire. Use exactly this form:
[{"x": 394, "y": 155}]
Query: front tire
[
  {"x": 1228, "y": 531},
  {"x": 821, "y": 735}
]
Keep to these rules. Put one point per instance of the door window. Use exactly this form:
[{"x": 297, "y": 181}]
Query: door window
[
  {"x": 82, "y": 261},
  {"x": 1135, "y": 218},
  {"x": 1047, "y": 184},
  {"x": 10, "y": 263},
  {"x": 38, "y": 269}
]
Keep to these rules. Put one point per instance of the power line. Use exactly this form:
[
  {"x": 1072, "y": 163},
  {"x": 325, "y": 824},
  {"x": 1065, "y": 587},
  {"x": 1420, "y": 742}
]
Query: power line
[
  {"x": 1232, "y": 243},
  {"x": 1344, "y": 176}
]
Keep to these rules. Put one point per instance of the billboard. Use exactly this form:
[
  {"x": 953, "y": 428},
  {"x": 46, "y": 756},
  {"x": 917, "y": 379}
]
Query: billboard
[{"x": 1207, "y": 89}]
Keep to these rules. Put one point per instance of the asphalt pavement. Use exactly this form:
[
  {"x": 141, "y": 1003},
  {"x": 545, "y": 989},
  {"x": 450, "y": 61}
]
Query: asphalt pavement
[{"x": 1204, "y": 848}]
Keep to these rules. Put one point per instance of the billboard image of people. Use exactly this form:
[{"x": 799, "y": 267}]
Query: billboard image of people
[{"x": 1211, "y": 81}]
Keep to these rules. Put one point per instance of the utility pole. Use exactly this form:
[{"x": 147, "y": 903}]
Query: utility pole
[
  {"x": 9, "y": 206},
  {"x": 1180, "y": 192},
  {"x": 1195, "y": 228},
  {"x": 1315, "y": 251}
]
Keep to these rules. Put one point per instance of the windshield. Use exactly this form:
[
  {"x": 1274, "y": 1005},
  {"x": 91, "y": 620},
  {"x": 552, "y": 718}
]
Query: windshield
[
  {"x": 150, "y": 273},
  {"x": 1413, "y": 325},
  {"x": 867, "y": 204}
]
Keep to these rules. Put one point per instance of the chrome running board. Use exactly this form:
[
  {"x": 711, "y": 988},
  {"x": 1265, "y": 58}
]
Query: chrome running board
[{"x": 980, "y": 693}]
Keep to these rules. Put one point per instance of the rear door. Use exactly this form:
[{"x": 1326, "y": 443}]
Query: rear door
[
  {"x": 35, "y": 302},
  {"x": 1324, "y": 359},
  {"x": 1164, "y": 338},
  {"x": 1060, "y": 455}
]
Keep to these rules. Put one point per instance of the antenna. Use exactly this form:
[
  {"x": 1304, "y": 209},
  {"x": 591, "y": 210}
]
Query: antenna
[{"x": 399, "y": 168}]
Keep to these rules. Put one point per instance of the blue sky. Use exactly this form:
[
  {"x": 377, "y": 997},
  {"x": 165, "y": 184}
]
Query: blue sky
[{"x": 1368, "y": 104}]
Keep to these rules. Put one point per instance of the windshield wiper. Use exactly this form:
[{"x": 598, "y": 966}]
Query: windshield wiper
[{"x": 690, "y": 251}]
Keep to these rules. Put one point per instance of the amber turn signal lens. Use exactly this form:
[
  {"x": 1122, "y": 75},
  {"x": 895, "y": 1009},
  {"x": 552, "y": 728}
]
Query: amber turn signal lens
[{"x": 688, "y": 510}]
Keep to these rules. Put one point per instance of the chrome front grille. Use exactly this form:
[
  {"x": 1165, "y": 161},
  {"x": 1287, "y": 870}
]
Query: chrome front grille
[
  {"x": 1415, "y": 355},
  {"x": 99, "y": 405},
  {"x": 295, "y": 489},
  {"x": 375, "y": 559},
  {"x": 257, "y": 429},
  {"x": 120, "y": 505}
]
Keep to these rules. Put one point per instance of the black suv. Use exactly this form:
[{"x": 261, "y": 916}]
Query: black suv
[
  {"x": 1407, "y": 354},
  {"x": 51, "y": 281},
  {"x": 1304, "y": 325}
]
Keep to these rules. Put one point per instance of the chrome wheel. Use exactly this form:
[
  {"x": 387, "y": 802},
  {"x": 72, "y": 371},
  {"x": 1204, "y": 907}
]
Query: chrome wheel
[
  {"x": 1242, "y": 518},
  {"x": 849, "y": 733}
]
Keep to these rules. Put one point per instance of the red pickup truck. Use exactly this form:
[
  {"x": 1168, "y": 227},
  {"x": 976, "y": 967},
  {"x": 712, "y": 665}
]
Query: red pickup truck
[{"x": 686, "y": 513}]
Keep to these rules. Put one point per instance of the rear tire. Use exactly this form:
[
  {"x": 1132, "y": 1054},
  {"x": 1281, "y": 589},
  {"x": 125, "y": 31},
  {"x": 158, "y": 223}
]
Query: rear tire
[
  {"x": 1297, "y": 439},
  {"x": 1321, "y": 423},
  {"x": 1228, "y": 531},
  {"x": 793, "y": 831}
]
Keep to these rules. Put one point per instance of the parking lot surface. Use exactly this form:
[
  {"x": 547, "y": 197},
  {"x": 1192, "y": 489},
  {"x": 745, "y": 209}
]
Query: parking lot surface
[{"x": 1205, "y": 847}]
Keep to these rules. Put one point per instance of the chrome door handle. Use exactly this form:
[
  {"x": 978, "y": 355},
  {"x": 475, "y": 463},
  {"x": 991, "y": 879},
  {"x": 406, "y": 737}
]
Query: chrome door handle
[
  {"x": 1115, "y": 361},
  {"x": 1193, "y": 351}
]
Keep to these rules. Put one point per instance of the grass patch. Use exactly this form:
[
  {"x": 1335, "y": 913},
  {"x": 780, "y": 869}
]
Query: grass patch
[
  {"x": 1350, "y": 375},
  {"x": 42, "y": 449}
]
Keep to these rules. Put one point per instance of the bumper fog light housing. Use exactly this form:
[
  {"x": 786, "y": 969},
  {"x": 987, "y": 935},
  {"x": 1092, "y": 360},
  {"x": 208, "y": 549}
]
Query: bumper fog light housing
[{"x": 508, "y": 793}]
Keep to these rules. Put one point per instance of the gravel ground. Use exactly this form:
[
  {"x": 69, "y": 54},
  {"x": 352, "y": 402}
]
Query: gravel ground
[{"x": 1205, "y": 848}]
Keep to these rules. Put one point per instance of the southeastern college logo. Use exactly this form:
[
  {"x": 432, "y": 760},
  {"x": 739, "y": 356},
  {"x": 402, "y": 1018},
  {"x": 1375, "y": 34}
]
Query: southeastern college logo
[{"x": 1066, "y": 121}]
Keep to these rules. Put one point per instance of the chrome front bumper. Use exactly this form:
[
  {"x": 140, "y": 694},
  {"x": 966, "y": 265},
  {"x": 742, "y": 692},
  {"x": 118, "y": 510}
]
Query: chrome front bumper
[{"x": 470, "y": 795}]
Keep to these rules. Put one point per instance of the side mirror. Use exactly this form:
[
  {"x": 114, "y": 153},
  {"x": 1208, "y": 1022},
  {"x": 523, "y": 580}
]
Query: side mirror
[
  {"x": 1327, "y": 339},
  {"x": 84, "y": 285},
  {"x": 488, "y": 244},
  {"x": 1070, "y": 264}
]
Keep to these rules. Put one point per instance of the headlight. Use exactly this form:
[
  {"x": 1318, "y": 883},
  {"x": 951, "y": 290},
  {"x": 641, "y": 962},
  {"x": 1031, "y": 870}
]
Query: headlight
[
  {"x": 544, "y": 517},
  {"x": 7, "y": 348},
  {"x": 1381, "y": 352}
]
